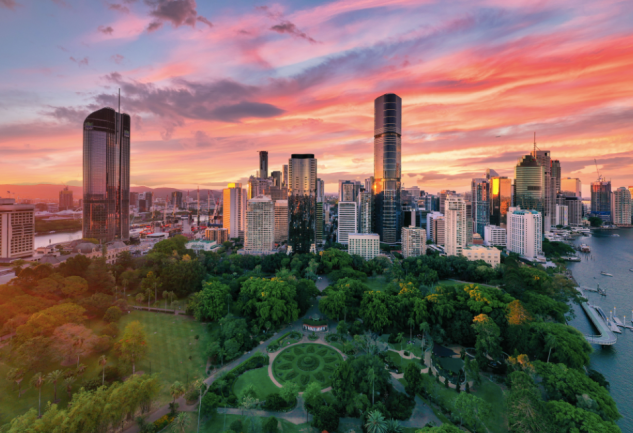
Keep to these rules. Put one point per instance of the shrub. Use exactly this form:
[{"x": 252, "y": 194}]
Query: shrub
[
  {"x": 291, "y": 375},
  {"x": 275, "y": 402},
  {"x": 163, "y": 421},
  {"x": 298, "y": 351},
  {"x": 270, "y": 426},
  {"x": 322, "y": 352},
  {"x": 329, "y": 359},
  {"x": 112, "y": 314},
  {"x": 304, "y": 379},
  {"x": 103, "y": 344},
  {"x": 406, "y": 353},
  {"x": 288, "y": 357},
  {"x": 329, "y": 368},
  {"x": 112, "y": 374},
  {"x": 310, "y": 349},
  {"x": 111, "y": 330},
  {"x": 92, "y": 384},
  {"x": 283, "y": 367},
  {"x": 319, "y": 376},
  {"x": 122, "y": 305},
  {"x": 236, "y": 426}
]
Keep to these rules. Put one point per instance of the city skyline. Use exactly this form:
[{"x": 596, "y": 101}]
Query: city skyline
[{"x": 475, "y": 86}]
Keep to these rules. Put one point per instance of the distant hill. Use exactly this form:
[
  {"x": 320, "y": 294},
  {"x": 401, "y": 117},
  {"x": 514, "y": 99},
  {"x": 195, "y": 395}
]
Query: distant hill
[{"x": 50, "y": 192}]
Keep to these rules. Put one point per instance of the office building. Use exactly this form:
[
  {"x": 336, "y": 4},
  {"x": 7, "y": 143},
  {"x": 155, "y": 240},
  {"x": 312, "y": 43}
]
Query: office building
[
  {"x": 369, "y": 183},
  {"x": 456, "y": 230},
  {"x": 366, "y": 245},
  {"x": 490, "y": 255},
  {"x": 601, "y": 200},
  {"x": 562, "y": 215},
  {"x": 366, "y": 212},
  {"x": 275, "y": 192},
  {"x": 285, "y": 176},
  {"x": 429, "y": 224},
  {"x": 65, "y": 199},
  {"x": 525, "y": 233},
  {"x": 571, "y": 186},
  {"x": 176, "y": 199},
  {"x": 259, "y": 186},
  {"x": 234, "y": 207},
  {"x": 276, "y": 176},
  {"x": 543, "y": 157},
  {"x": 529, "y": 184},
  {"x": 621, "y": 206},
  {"x": 347, "y": 220},
  {"x": 320, "y": 224},
  {"x": 432, "y": 203},
  {"x": 348, "y": 190},
  {"x": 106, "y": 176},
  {"x": 302, "y": 176},
  {"x": 414, "y": 191},
  {"x": 17, "y": 229},
  {"x": 133, "y": 199},
  {"x": 480, "y": 200},
  {"x": 631, "y": 191},
  {"x": 387, "y": 166},
  {"x": 500, "y": 200},
  {"x": 495, "y": 236},
  {"x": 260, "y": 225},
  {"x": 556, "y": 177},
  {"x": 439, "y": 230},
  {"x": 320, "y": 190},
  {"x": 281, "y": 221},
  {"x": 219, "y": 235},
  {"x": 145, "y": 201},
  {"x": 574, "y": 209},
  {"x": 413, "y": 242},
  {"x": 443, "y": 194},
  {"x": 263, "y": 165}
]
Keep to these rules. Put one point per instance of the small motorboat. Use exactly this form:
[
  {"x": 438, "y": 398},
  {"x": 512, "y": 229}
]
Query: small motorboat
[
  {"x": 631, "y": 269},
  {"x": 606, "y": 274}
]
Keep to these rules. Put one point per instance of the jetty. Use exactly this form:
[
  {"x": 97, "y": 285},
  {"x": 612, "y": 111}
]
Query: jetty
[{"x": 606, "y": 336}]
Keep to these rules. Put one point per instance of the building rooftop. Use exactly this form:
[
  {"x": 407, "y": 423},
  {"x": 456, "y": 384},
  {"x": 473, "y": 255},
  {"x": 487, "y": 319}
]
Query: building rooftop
[
  {"x": 364, "y": 235},
  {"x": 479, "y": 247}
]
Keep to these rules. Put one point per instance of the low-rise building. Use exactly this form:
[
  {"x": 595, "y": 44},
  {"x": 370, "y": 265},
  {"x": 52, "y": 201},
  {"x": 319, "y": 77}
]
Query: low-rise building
[
  {"x": 495, "y": 236},
  {"x": 490, "y": 255},
  {"x": 17, "y": 229},
  {"x": 202, "y": 245},
  {"x": 366, "y": 245},
  {"x": 525, "y": 233},
  {"x": 220, "y": 235},
  {"x": 413, "y": 241}
]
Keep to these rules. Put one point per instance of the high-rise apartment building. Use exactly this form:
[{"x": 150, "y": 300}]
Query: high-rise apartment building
[
  {"x": 65, "y": 199},
  {"x": 320, "y": 184},
  {"x": 574, "y": 209},
  {"x": 259, "y": 235},
  {"x": 500, "y": 191},
  {"x": 456, "y": 230},
  {"x": 429, "y": 224},
  {"x": 543, "y": 157},
  {"x": 366, "y": 245},
  {"x": 145, "y": 201},
  {"x": 495, "y": 236},
  {"x": 366, "y": 212},
  {"x": 220, "y": 235},
  {"x": 276, "y": 175},
  {"x": 480, "y": 199},
  {"x": 320, "y": 224},
  {"x": 17, "y": 229},
  {"x": 601, "y": 200},
  {"x": 176, "y": 199},
  {"x": 281, "y": 221},
  {"x": 562, "y": 215},
  {"x": 106, "y": 176},
  {"x": 302, "y": 176},
  {"x": 525, "y": 232},
  {"x": 234, "y": 207},
  {"x": 439, "y": 230},
  {"x": 285, "y": 176},
  {"x": 347, "y": 220},
  {"x": 556, "y": 177},
  {"x": 571, "y": 186},
  {"x": 443, "y": 194},
  {"x": 387, "y": 166},
  {"x": 263, "y": 165},
  {"x": 621, "y": 206},
  {"x": 413, "y": 242},
  {"x": 347, "y": 190},
  {"x": 133, "y": 199}
]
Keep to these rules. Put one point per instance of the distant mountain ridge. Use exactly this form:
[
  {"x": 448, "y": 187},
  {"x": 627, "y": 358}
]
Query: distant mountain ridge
[{"x": 50, "y": 192}]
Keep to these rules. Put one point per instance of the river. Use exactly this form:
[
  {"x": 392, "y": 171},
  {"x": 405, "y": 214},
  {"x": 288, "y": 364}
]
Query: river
[
  {"x": 54, "y": 238},
  {"x": 613, "y": 255}
]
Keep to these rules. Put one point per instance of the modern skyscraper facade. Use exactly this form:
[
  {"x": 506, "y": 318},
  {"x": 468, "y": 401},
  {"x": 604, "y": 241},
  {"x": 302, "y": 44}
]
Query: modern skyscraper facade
[
  {"x": 65, "y": 199},
  {"x": 571, "y": 186},
  {"x": 413, "y": 242},
  {"x": 176, "y": 199},
  {"x": 429, "y": 223},
  {"x": 263, "y": 164},
  {"x": 320, "y": 190},
  {"x": 543, "y": 157},
  {"x": 234, "y": 206},
  {"x": 456, "y": 231},
  {"x": 439, "y": 230},
  {"x": 259, "y": 236},
  {"x": 443, "y": 194},
  {"x": 347, "y": 220},
  {"x": 480, "y": 199},
  {"x": 500, "y": 200},
  {"x": 525, "y": 232},
  {"x": 529, "y": 184},
  {"x": 17, "y": 229},
  {"x": 621, "y": 206},
  {"x": 346, "y": 190},
  {"x": 556, "y": 176},
  {"x": 285, "y": 176},
  {"x": 601, "y": 200},
  {"x": 387, "y": 166},
  {"x": 302, "y": 176},
  {"x": 276, "y": 175},
  {"x": 366, "y": 212},
  {"x": 145, "y": 201},
  {"x": 106, "y": 176},
  {"x": 320, "y": 224},
  {"x": 281, "y": 221}
]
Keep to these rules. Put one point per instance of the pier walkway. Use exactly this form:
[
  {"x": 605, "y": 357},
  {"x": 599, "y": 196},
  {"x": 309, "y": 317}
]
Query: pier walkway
[{"x": 606, "y": 336}]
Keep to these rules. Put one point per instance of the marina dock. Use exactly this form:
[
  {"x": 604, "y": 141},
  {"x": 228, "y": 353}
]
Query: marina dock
[{"x": 606, "y": 336}]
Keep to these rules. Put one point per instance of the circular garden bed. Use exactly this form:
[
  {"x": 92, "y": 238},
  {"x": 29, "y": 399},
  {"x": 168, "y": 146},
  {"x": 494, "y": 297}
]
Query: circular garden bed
[{"x": 305, "y": 363}]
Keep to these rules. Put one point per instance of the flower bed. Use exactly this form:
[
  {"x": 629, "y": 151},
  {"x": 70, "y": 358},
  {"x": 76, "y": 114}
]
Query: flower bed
[{"x": 305, "y": 363}]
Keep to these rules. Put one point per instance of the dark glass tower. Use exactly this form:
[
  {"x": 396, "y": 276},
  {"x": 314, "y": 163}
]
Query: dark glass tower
[
  {"x": 387, "y": 166},
  {"x": 302, "y": 202},
  {"x": 500, "y": 200},
  {"x": 106, "y": 171},
  {"x": 263, "y": 164}
]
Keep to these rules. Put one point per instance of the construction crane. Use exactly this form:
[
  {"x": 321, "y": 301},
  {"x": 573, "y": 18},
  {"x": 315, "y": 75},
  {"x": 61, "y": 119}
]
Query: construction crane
[{"x": 598, "y": 171}]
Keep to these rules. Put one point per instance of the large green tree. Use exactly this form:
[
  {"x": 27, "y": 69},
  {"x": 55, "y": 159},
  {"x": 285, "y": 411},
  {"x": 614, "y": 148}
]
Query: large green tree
[
  {"x": 212, "y": 302},
  {"x": 269, "y": 301},
  {"x": 132, "y": 347}
]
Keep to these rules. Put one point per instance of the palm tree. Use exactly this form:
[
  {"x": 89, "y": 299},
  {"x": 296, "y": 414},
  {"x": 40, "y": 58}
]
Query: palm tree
[
  {"x": 371, "y": 375},
  {"x": 68, "y": 383},
  {"x": 376, "y": 423},
  {"x": 102, "y": 362},
  {"x": 399, "y": 339},
  {"x": 140, "y": 298},
  {"x": 125, "y": 283},
  {"x": 550, "y": 341},
  {"x": 411, "y": 323},
  {"x": 180, "y": 423},
  {"x": 78, "y": 344},
  {"x": 393, "y": 426},
  {"x": 176, "y": 390},
  {"x": 16, "y": 375},
  {"x": 54, "y": 377},
  {"x": 81, "y": 368},
  {"x": 148, "y": 293},
  {"x": 165, "y": 295},
  {"x": 37, "y": 381},
  {"x": 424, "y": 328}
]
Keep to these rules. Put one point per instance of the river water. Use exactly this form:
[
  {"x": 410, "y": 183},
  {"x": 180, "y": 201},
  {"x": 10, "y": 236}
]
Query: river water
[
  {"x": 53, "y": 238},
  {"x": 613, "y": 255}
]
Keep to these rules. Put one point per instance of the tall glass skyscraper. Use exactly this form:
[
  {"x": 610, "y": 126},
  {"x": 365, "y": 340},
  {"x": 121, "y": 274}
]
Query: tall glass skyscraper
[
  {"x": 302, "y": 202},
  {"x": 387, "y": 166},
  {"x": 480, "y": 199},
  {"x": 106, "y": 171},
  {"x": 529, "y": 184},
  {"x": 500, "y": 200},
  {"x": 601, "y": 200}
]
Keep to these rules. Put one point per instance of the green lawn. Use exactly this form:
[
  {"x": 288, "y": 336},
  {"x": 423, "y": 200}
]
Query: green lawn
[
  {"x": 217, "y": 423},
  {"x": 304, "y": 363},
  {"x": 448, "y": 283},
  {"x": 402, "y": 362},
  {"x": 376, "y": 284},
  {"x": 259, "y": 379}
]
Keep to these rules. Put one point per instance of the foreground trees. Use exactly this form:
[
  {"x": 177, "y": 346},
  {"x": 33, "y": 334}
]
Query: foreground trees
[{"x": 132, "y": 347}]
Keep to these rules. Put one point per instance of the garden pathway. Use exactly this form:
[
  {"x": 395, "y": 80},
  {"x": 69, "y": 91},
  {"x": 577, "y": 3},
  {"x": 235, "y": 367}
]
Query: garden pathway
[{"x": 422, "y": 414}]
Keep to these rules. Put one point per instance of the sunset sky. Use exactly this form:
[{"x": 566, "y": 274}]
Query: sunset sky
[{"x": 209, "y": 83}]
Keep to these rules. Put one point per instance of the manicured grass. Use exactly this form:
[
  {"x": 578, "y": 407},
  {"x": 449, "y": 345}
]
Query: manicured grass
[
  {"x": 259, "y": 379},
  {"x": 448, "y": 283},
  {"x": 377, "y": 284},
  {"x": 402, "y": 362},
  {"x": 305, "y": 363},
  {"x": 217, "y": 423}
]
